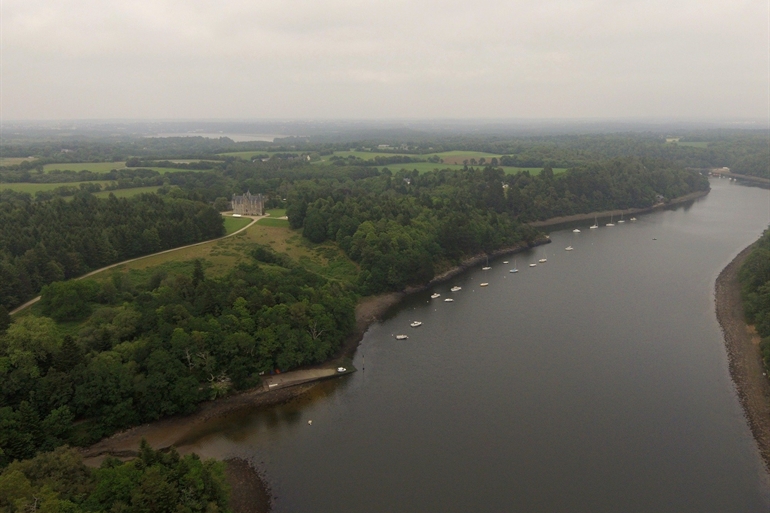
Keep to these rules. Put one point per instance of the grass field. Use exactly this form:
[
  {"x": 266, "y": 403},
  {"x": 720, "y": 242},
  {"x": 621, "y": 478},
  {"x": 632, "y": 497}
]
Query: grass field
[
  {"x": 233, "y": 224},
  {"x": 245, "y": 155},
  {"x": 32, "y": 188},
  {"x": 222, "y": 255},
  {"x": 424, "y": 167},
  {"x": 12, "y": 161},
  {"x": 692, "y": 144},
  {"x": 95, "y": 167},
  {"x": 269, "y": 221},
  {"x": 276, "y": 212}
]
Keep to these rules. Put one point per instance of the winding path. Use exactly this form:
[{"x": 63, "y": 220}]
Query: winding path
[{"x": 254, "y": 219}]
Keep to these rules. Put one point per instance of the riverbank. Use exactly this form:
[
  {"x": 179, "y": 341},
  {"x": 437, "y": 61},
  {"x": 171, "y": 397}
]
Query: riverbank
[
  {"x": 555, "y": 221},
  {"x": 745, "y": 361}
]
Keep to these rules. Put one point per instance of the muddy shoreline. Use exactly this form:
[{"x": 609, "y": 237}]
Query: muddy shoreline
[{"x": 743, "y": 354}]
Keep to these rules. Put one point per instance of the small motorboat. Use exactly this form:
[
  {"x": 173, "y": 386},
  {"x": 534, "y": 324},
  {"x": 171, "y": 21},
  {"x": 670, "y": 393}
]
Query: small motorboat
[
  {"x": 633, "y": 219},
  {"x": 486, "y": 268},
  {"x": 435, "y": 295},
  {"x": 401, "y": 337},
  {"x": 543, "y": 260},
  {"x": 568, "y": 248},
  {"x": 448, "y": 300},
  {"x": 533, "y": 264},
  {"x": 505, "y": 261},
  {"x": 455, "y": 288},
  {"x": 483, "y": 284},
  {"x": 415, "y": 324},
  {"x": 575, "y": 231}
]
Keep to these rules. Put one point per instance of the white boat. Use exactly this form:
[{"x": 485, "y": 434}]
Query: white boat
[
  {"x": 505, "y": 261},
  {"x": 610, "y": 223},
  {"x": 486, "y": 267},
  {"x": 455, "y": 288},
  {"x": 544, "y": 259},
  {"x": 568, "y": 248},
  {"x": 533, "y": 264},
  {"x": 633, "y": 219},
  {"x": 401, "y": 337},
  {"x": 435, "y": 295},
  {"x": 575, "y": 231},
  {"x": 448, "y": 300},
  {"x": 415, "y": 324},
  {"x": 595, "y": 225},
  {"x": 514, "y": 270},
  {"x": 621, "y": 219},
  {"x": 484, "y": 284}
]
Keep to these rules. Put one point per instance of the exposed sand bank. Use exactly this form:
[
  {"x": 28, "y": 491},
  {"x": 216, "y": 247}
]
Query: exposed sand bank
[{"x": 745, "y": 361}]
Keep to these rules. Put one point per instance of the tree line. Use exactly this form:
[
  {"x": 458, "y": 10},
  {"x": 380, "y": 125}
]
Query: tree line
[
  {"x": 754, "y": 276},
  {"x": 44, "y": 242}
]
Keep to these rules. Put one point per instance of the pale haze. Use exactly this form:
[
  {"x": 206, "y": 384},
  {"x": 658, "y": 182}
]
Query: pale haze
[{"x": 303, "y": 59}]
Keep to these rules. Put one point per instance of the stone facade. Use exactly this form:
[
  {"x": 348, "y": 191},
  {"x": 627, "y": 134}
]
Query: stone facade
[{"x": 248, "y": 205}]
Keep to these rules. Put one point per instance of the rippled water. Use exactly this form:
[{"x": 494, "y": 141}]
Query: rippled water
[{"x": 596, "y": 382}]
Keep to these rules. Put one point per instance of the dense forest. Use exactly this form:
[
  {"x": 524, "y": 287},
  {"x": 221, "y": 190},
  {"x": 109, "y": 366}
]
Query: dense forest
[
  {"x": 193, "y": 337},
  {"x": 755, "y": 290},
  {"x": 400, "y": 227},
  {"x": 58, "y": 481},
  {"x": 44, "y": 242}
]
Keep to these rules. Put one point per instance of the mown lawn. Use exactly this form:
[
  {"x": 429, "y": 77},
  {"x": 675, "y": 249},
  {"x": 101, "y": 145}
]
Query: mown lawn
[{"x": 233, "y": 224}]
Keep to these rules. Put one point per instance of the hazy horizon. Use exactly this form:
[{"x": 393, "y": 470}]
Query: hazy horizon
[{"x": 594, "y": 60}]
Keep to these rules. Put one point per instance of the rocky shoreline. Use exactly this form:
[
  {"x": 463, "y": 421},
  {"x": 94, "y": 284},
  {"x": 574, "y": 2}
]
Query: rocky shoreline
[{"x": 743, "y": 354}]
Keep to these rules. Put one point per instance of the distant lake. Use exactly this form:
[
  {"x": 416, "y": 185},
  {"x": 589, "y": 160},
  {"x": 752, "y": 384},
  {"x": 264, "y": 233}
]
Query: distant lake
[
  {"x": 596, "y": 382},
  {"x": 234, "y": 137}
]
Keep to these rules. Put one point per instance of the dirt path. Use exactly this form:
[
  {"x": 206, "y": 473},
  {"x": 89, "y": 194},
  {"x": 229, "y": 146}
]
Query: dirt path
[
  {"x": 254, "y": 219},
  {"x": 745, "y": 361}
]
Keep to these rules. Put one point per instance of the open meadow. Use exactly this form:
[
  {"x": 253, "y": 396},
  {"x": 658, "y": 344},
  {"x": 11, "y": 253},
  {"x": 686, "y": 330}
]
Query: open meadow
[{"x": 222, "y": 255}]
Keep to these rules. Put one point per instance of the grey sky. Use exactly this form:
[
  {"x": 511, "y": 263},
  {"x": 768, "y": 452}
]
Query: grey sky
[{"x": 192, "y": 59}]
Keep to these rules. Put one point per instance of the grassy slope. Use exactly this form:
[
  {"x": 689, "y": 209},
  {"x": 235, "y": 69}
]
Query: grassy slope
[{"x": 222, "y": 255}]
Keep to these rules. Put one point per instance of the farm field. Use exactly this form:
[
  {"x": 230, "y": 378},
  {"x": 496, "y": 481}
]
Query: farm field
[
  {"x": 95, "y": 167},
  {"x": 12, "y": 161},
  {"x": 222, "y": 255},
  {"x": 245, "y": 155},
  {"x": 32, "y": 188},
  {"x": 692, "y": 144}
]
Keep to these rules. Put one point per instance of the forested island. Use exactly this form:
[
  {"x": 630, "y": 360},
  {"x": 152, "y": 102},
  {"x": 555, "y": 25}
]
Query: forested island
[{"x": 89, "y": 358}]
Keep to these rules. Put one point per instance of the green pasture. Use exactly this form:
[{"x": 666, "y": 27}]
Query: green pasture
[
  {"x": 32, "y": 188},
  {"x": 13, "y": 161},
  {"x": 245, "y": 155},
  {"x": 94, "y": 167},
  {"x": 233, "y": 224},
  {"x": 269, "y": 221},
  {"x": 221, "y": 255},
  {"x": 276, "y": 212},
  {"x": 691, "y": 144}
]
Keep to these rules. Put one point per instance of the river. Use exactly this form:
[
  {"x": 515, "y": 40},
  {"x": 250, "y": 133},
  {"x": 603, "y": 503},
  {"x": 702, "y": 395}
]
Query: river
[{"x": 594, "y": 382}]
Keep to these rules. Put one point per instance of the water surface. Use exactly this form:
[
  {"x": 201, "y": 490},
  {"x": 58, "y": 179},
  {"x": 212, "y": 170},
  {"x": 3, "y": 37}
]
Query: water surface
[{"x": 596, "y": 382}]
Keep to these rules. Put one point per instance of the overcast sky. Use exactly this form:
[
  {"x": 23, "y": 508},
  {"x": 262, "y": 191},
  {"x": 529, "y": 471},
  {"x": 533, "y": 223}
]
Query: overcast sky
[{"x": 253, "y": 59}]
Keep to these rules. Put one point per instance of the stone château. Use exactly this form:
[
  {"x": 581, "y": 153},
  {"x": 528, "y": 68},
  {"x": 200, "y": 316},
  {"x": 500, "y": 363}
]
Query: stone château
[{"x": 249, "y": 204}]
